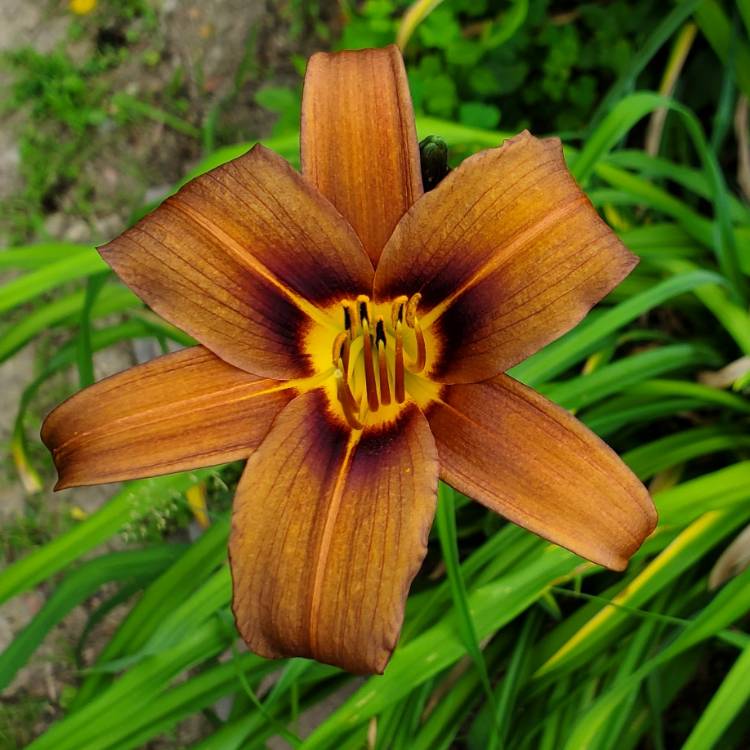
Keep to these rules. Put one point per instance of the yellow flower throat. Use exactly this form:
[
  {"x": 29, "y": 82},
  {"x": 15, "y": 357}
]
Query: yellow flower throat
[{"x": 377, "y": 360}]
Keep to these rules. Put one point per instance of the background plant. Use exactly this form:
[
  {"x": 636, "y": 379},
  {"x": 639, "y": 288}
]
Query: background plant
[{"x": 508, "y": 642}]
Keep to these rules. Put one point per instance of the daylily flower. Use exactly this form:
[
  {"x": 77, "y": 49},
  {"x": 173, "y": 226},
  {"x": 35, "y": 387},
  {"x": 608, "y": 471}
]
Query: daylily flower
[{"x": 353, "y": 338}]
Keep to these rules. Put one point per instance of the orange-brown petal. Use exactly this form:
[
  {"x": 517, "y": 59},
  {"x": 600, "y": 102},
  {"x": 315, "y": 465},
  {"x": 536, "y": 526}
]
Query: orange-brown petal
[
  {"x": 241, "y": 258},
  {"x": 358, "y": 139},
  {"x": 533, "y": 462},
  {"x": 329, "y": 529},
  {"x": 508, "y": 255},
  {"x": 181, "y": 411}
]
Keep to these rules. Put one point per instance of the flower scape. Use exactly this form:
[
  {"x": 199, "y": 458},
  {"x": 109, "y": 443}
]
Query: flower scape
[{"x": 353, "y": 338}]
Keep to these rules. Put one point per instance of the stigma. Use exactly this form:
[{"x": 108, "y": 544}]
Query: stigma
[{"x": 378, "y": 350}]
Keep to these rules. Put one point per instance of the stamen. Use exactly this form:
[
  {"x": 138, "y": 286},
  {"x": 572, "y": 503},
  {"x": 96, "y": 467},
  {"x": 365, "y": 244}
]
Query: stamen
[
  {"x": 380, "y": 331},
  {"x": 372, "y": 391},
  {"x": 363, "y": 308},
  {"x": 348, "y": 322},
  {"x": 346, "y": 399},
  {"x": 341, "y": 351},
  {"x": 397, "y": 310},
  {"x": 398, "y": 377},
  {"x": 411, "y": 309},
  {"x": 380, "y": 343}
]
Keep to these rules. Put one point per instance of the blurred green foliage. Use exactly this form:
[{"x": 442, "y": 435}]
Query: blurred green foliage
[{"x": 518, "y": 63}]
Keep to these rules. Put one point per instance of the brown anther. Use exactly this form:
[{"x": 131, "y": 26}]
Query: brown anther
[
  {"x": 363, "y": 309},
  {"x": 372, "y": 391},
  {"x": 397, "y": 309},
  {"x": 347, "y": 400},
  {"x": 341, "y": 351},
  {"x": 349, "y": 321},
  {"x": 380, "y": 343},
  {"x": 398, "y": 375},
  {"x": 380, "y": 331},
  {"x": 411, "y": 309}
]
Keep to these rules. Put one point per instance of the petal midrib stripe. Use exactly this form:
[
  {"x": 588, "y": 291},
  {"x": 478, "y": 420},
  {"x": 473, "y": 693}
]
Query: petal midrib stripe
[
  {"x": 162, "y": 412},
  {"x": 324, "y": 549},
  {"x": 524, "y": 236},
  {"x": 597, "y": 468},
  {"x": 249, "y": 261}
]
